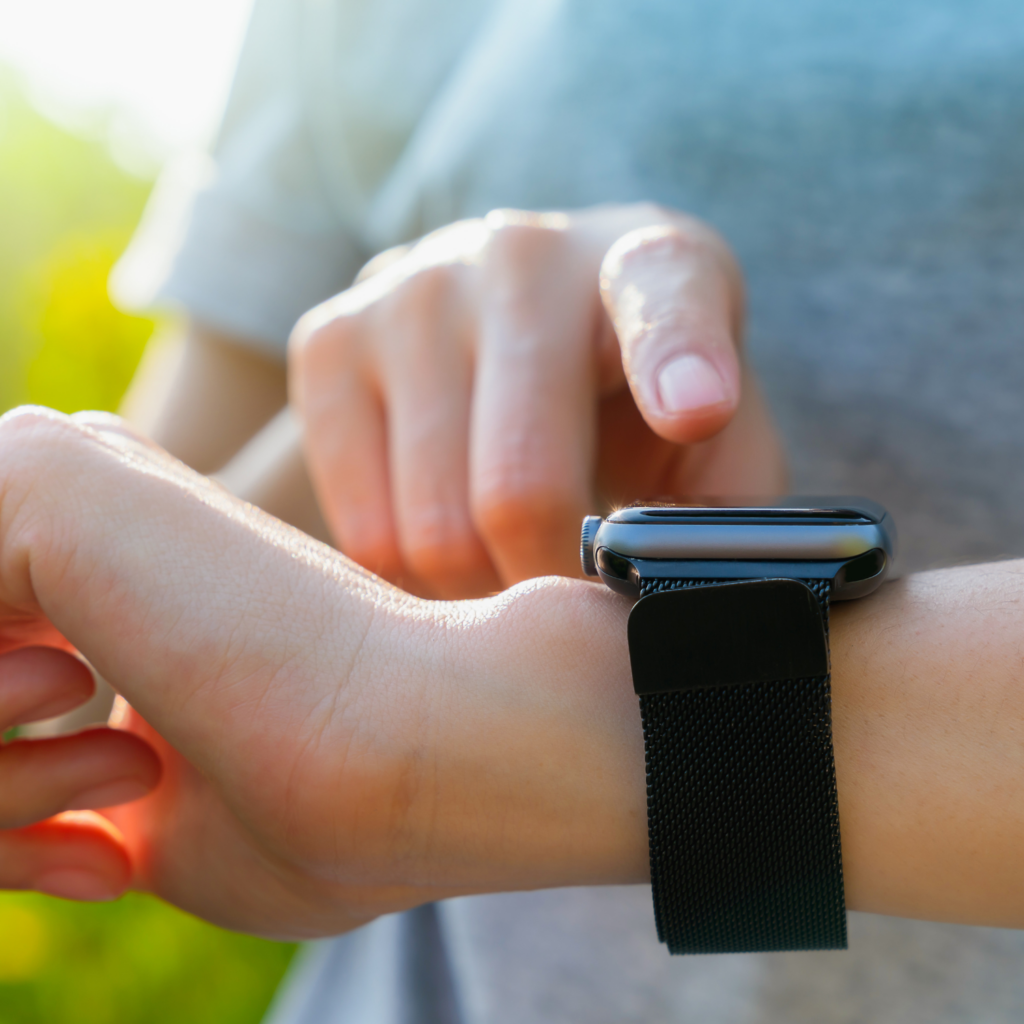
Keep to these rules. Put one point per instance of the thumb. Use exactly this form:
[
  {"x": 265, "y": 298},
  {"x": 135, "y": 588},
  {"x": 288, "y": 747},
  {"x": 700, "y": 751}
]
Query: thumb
[{"x": 674, "y": 296}]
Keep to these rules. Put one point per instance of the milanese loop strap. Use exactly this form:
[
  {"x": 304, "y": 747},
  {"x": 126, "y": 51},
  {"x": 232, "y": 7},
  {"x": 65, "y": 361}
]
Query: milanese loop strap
[{"x": 742, "y": 812}]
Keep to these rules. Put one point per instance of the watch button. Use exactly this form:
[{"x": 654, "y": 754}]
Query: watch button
[{"x": 590, "y": 527}]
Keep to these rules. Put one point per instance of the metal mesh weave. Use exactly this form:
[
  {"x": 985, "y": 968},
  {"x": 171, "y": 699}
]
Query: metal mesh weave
[{"x": 743, "y": 816}]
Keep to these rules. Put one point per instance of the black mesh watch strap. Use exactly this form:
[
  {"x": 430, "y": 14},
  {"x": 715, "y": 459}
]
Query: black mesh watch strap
[{"x": 743, "y": 816}]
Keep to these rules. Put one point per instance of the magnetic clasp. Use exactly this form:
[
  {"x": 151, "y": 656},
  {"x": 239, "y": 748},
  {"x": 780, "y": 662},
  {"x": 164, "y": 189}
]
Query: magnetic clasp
[{"x": 727, "y": 634}]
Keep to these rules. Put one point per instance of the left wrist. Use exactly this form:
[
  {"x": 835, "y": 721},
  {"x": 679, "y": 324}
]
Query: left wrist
[{"x": 551, "y": 739}]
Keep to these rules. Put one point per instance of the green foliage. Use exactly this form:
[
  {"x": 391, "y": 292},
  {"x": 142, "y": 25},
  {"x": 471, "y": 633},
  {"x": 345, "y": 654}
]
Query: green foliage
[
  {"x": 66, "y": 212},
  {"x": 82, "y": 352},
  {"x": 130, "y": 962}
]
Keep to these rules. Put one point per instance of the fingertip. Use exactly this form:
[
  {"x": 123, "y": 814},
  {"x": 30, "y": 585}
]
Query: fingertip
[
  {"x": 39, "y": 682},
  {"x": 141, "y": 765},
  {"x": 76, "y": 855},
  {"x": 78, "y": 884},
  {"x": 693, "y": 398},
  {"x": 111, "y": 794},
  {"x": 689, "y": 383}
]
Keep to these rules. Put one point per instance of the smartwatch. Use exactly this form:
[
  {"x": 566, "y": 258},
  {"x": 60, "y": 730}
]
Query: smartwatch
[{"x": 728, "y": 644}]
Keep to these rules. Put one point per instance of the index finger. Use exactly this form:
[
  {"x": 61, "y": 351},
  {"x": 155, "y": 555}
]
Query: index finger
[{"x": 674, "y": 295}]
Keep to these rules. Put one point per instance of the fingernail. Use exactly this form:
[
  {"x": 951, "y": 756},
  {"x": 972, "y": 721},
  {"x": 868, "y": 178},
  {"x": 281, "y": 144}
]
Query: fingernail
[
  {"x": 110, "y": 794},
  {"x": 690, "y": 382},
  {"x": 76, "y": 884}
]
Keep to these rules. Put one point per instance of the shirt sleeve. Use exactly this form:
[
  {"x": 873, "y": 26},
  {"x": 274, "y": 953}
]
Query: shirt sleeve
[
  {"x": 262, "y": 240},
  {"x": 326, "y": 97}
]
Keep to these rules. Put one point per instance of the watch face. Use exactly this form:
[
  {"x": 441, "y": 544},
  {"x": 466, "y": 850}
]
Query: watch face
[
  {"x": 747, "y": 510},
  {"x": 850, "y": 539}
]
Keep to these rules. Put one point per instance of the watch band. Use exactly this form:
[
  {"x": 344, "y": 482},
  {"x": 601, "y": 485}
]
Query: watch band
[{"x": 743, "y": 815}]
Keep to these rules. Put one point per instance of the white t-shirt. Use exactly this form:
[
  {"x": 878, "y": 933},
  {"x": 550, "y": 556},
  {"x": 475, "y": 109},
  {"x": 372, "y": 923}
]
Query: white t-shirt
[{"x": 866, "y": 160}]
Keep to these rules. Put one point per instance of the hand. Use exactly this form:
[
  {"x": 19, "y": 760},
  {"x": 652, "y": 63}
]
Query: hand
[
  {"x": 477, "y": 393},
  {"x": 76, "y": 855},
  {"x": 332, "y": 749}
]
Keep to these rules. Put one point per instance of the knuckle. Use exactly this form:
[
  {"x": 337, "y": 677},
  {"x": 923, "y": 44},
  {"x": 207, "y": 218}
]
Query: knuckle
[
  {"x": 377, "y": 554},
  {"x": 339, "y": 323},
  {"x": 675, "y": 241},
  {"x": 383, "y": 313},
  {"x": 660, "y": 241},
  {"x": 318, "y": 355},
  {"x": 515, "y": 235},
  {"x": 447, "y": 562},
  {"x": 455, "y": 243},
  {"x": 421, "y": 319},
  {"x": 382, "y": 261},
  {"x": 662, "y": 231},
  {"x": 29, "y": 429},
  {"x": 423, "y": 289},
  {"x": 440, "y": 545},
  {"x": 305, "y": 337},
  {"x": 511, "y": 518},
  {"x": 361, "y": 526},
  {"x": 329, "y": 340},
  {"x": 30, "y": 419}
]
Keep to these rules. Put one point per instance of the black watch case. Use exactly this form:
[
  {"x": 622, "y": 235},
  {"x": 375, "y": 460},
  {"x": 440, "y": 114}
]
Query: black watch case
[{"x": 851, "y": 541}]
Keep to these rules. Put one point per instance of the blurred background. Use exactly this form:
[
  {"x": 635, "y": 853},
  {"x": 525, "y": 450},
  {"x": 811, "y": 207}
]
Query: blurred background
[{"x": 96, "y": 98}]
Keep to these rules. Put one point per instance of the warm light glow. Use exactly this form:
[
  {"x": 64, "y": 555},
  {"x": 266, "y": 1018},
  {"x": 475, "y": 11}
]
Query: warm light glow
[{"x": 158, "y": 69}]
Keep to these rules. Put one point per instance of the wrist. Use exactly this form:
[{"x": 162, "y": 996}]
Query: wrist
[
  {"x": 550, "y": 749},
  {"x": 510, "y": 752}
]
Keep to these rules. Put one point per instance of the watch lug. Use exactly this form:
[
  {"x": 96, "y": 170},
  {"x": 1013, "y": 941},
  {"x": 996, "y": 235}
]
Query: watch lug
[
  {"x": 617, "y": 573},
  {"x": 860, "y": 576}
]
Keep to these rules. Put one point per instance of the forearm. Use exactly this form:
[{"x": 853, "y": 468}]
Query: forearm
[
  {"x": 929, "y": 736},
  {"x": 377, "y": 751},
  {"x": 204, "y": 401},
  {"x": 218, "y": 404},
  {"x": 928, "y": 708}
]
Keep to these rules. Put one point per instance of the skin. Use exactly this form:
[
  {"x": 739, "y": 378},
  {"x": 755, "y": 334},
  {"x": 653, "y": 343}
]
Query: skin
[
  {"x": 306, "y": 887},
  {"x": 440, "y": 400},
  {"x": 207, "y": 397},
  {"x": 216, "y": 402},
  {"x": 476, "y": 394},
  {"x": 333, "y": 748},
  {"x": 217, "y": 409}
]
